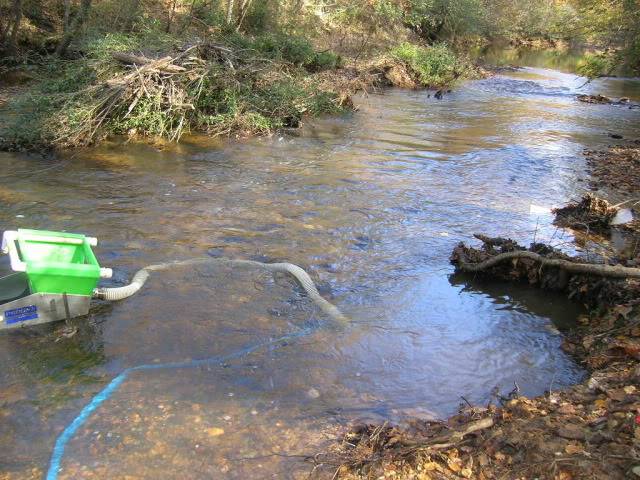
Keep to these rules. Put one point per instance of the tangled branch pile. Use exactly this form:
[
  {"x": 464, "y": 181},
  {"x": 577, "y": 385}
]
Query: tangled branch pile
[
  {"x": 590, "y": 213},
  {"x": 595, "y": 285},
  {"x": 206, "y": 87}
]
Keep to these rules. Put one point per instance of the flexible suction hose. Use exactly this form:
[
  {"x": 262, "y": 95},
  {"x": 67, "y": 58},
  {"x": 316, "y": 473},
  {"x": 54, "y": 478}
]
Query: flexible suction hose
[{"x": 139, "y": 279}]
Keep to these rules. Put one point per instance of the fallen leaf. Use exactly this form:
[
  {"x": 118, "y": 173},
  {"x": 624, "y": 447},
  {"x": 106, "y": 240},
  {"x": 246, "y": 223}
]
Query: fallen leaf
[
  {"x": 573, "y": 448},
  {"x": 617, "y": 395},
  {"x": 563, "y": 475},
  {"x": 453, "y": 466},
  {"x": 571, "y": 432},
  {"x": 215, "y": 431},
  {"x": 601, "y": 403},
  {"x": 431, "y": 466}
]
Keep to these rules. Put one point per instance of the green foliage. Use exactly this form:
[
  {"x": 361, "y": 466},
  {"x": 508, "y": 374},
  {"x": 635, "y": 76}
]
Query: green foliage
[
  {"x": 616, "y": 24},
  {"x": 287, "y": 48},
  {"x": 435, "y": 66},
  {"x": 291, "y": 48},
  {"x": 101, "y": 47},
  {"x": 324, "y": 61},
  {"x": 209, "y": 13},
  {"x": 388, "y": 9},
  {"x": 30, "y": 116},
  {"x": 256, "y": 97},
  {"x": 149, "y": 37},
  {"x": 259, "y": 18},
  {"x": 595, "y": 65},
  {"x": 446, "y": 19},
  {"x": 262, "y": 109}
]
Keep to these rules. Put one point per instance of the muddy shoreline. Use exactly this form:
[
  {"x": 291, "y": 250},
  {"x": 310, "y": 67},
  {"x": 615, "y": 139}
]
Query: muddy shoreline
[{"x": 591, "y": 430}]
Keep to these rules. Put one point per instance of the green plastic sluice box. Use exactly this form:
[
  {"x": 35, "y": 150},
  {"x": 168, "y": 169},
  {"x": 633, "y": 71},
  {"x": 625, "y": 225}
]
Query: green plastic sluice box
[
  {"x": 57, "y": 262},
  {"x": 57, "y": 273}
]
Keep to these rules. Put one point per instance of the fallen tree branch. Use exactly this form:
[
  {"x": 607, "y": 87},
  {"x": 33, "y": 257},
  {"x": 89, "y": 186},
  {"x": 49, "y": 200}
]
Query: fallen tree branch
[
  {"x": 611, "y": 271},
  {"x": 449, "y": 440},
  {"x": 162, "y": 64}
]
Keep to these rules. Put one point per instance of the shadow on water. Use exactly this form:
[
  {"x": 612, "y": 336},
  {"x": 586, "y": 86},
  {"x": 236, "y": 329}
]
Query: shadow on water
[{"x": 523, "y": 298}]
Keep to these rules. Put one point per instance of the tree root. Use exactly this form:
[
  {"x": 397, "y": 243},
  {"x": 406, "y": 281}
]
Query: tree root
[{"x": 610, "y": 271}]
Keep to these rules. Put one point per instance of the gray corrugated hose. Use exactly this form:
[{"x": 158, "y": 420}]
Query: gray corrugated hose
[{"x": 139, "y": 279}]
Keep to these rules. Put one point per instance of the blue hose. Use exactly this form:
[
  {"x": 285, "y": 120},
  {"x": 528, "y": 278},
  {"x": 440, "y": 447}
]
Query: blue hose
[{"x": 67, "y": 434}]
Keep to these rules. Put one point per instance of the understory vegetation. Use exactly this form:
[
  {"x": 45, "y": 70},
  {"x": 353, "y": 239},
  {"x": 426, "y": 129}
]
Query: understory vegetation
[
  {"x": 243, "y": 87},
  {"x": 164, "y": 67}
]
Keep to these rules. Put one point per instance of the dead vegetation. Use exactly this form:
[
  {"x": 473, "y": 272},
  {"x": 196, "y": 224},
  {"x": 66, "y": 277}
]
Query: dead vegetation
[
  {"x": 589, "y": 431},
  {"x": 616, "y": 169},
  {"x": 591, "y": 213},
  {"x": 602, "y": 100}
]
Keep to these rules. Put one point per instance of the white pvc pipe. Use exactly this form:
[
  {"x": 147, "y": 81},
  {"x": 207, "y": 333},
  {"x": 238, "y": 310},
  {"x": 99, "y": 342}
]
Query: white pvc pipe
[{"x": 9, "y": 246}]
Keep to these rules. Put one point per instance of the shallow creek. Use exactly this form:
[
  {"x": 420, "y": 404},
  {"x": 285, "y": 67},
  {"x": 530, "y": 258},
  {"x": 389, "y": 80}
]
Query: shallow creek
[{"x": 371, "y": 204}]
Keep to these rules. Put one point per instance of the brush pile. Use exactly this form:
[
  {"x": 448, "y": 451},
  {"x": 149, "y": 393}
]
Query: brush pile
[
  {"x": 596, "y": 285},
  {"x": 591, "y": 213},
  {"x": 205, "y": 86}
]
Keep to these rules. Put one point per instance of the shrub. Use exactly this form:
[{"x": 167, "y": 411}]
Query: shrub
[
  {"x": 287, "y": 48},
  {"x": 324, "y": 61},
  {"x": 290, "y": 48},
  {"x": 594, "y": 65},
  {"x": 434, "y": 66}
]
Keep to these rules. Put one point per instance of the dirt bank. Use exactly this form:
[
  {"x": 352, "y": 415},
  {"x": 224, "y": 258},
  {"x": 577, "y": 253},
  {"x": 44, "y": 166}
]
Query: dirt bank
[{"x": 591, "y": 430}]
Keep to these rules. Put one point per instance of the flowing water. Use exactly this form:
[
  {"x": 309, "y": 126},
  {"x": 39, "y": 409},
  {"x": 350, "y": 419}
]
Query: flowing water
[{"x": 371, "y": 204}]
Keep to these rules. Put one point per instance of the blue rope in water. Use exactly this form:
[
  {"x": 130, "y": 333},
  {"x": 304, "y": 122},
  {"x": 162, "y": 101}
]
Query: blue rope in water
[{"x": 68, "y": 433}]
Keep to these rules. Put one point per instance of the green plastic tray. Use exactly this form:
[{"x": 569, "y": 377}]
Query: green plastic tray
[{"x": 58, "y": 262}]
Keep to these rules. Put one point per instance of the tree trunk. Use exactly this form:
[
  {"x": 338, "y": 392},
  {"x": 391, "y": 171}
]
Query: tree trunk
[
  {"x": 132, "y": 15},
  {"x": 78, "y": 22},
  {"x": 12, "y": 44},
  {"x": 244, "y": 8},
  {"x": 229, "y": 12},
  {"x": 65, "y": 19},
  {"x": 171, "y": 14}
]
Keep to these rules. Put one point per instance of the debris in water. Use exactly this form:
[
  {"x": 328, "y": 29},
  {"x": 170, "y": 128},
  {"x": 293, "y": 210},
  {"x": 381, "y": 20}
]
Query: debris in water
[
  {"x": 313, "y": 393},
  {"x": 539, "y": 210},
  {"x": 590, "y": 213}
]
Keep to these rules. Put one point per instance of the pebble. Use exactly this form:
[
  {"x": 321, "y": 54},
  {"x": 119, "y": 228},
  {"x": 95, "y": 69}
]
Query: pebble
[{"x": 313, "y": 393}]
